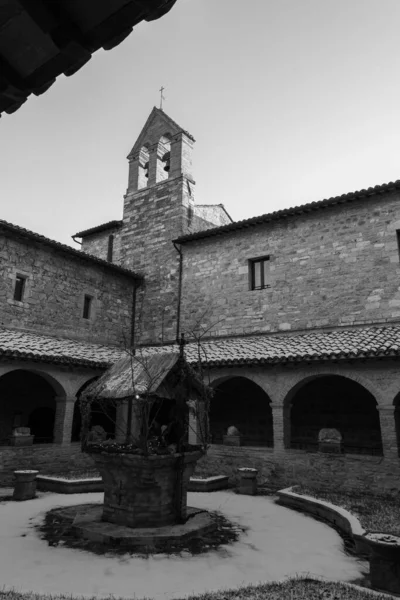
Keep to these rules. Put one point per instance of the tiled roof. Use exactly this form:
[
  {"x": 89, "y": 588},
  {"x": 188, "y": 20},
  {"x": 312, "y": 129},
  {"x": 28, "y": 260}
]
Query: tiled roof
[
  {"x": 39, "y": 40},
  {"x": 341, "y": 344},
  {"x": 32, "y": 346},
  {"x": 368, "y": 342},
  {"x": 98, "y": 228},
  {"x": 65, "y": 249},
  {"x": 290, "y": 212}
]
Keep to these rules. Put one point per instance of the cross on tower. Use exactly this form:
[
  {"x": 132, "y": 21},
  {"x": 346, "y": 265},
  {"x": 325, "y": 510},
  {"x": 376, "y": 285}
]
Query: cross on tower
[{"x": 162, "y": 88}]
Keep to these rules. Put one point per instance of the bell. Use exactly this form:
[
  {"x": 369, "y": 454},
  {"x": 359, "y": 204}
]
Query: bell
[{"x": 166, "y": 168}]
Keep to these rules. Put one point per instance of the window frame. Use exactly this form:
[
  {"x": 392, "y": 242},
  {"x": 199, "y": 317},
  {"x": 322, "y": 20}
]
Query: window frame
[
  {"x": 22, "y": 289},
  {"x": 89, "y": 306},
  {"x": 262, "y": 260}
]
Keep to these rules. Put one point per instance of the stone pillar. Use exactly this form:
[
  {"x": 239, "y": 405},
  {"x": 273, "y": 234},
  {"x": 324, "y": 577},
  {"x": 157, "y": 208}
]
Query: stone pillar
[
  {"x": 388, "y": 431},
  {"x": 278, "y": 421},
  {"x": 153, "y": 160},
  {"x": 63, "y": 419},
  {"x": 181, "y": 156},
  {"x": 133, "y": 181},
  {"x": 198, "y": 425}
]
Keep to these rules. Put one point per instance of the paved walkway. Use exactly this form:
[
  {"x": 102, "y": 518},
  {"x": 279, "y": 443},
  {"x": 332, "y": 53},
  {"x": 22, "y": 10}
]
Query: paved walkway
[{"x": 279, "y": 543}]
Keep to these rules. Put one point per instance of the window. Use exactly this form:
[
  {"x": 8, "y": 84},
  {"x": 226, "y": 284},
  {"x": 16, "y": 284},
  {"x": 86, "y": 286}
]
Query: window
[
  {"x": 87, "y": 306},
  {"x": 259, "y": 273},
  {"x": 110, "y": 248},
  {"x": 19, "y": 288}
]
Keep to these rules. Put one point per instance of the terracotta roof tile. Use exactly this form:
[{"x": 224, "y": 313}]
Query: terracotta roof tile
[
  {"x": 31, "y": 235},
  {"x": 98, "y": 229},
  {"x": 368, "y": 342},
  {"x": 32, "y": 346},
  {"x": 290, "y": 212}
]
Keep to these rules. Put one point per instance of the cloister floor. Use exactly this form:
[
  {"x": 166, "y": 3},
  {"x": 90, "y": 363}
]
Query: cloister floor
[{"x": 279, "y": 543}]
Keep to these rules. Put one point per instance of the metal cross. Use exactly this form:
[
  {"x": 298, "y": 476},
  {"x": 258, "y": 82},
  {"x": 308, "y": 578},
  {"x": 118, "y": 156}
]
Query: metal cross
[{"x": 162, "y": 88}]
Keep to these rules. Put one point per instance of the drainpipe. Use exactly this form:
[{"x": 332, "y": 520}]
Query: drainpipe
[
  {"x": 76, "y": 242},
  {"x": 178, "y": 310},
  {"x": 133, "y": 319}
]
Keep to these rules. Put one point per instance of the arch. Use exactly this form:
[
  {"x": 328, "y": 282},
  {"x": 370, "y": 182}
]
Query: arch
[
  {"x": 240, "y": 402},
  {"x": 333, "y": 401},
  {"x": 104, "y": 415},
  {"x": 163, "y": 157},
  {"x": 28, "y": 399},
  {"x": 143, "y": 167}
]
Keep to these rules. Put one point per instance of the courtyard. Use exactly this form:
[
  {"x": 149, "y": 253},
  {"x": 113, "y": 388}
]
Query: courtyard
[{"x": 278, "y": 543}]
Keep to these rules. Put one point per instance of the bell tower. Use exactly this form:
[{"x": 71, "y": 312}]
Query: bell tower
[{"x": 158, "y": 207}]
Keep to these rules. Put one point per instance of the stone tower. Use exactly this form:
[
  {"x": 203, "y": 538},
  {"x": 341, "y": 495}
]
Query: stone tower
[{"x": 158, "y": 208}]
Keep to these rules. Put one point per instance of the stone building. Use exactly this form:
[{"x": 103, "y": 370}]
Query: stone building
[
  {"x": 64, "y": 317},
  {"x": 297, "y": 311}
]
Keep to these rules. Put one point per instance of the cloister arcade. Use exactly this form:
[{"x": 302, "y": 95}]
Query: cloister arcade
[{"x": 283, "y": 409}]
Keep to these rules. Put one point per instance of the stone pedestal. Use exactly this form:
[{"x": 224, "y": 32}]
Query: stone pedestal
[
  {"x": 232, "y": 440},
  {"x": 247, "y": 481},
  {"x": 140, "y": 491},
  {"x": 25, "y": 485},
  {"x": 384, "y": 562}
]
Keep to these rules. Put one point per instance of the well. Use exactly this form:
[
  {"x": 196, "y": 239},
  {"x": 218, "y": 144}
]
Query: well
[{"x": 142, "y": 491}]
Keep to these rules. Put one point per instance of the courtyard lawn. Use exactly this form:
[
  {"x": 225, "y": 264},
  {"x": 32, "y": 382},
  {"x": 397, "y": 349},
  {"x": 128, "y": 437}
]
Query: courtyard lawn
[
  {"x": 380, "y": 514},
  {"x": 279, "y": 543},
  {"x": 292, "y": 589}
]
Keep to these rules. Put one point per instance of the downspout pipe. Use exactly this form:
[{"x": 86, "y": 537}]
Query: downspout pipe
[
  {"x": 178, "y": 310},
  {"x": 75, "y": 240}
]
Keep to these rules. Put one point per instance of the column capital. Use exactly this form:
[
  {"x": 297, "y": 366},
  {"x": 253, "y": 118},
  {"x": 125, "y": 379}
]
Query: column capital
[{"x": 390, "y": 408}]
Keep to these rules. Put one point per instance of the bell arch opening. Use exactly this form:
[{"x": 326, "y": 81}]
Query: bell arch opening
[
  {"x": 241, "y": 403},
  {"x": 335, "y": 402},
  {"x": 27, "y": 399}
]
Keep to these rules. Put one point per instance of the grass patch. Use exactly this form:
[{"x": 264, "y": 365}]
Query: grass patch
[
  {"x": 375, "y": 513},
  {"x": 295, "y": 588}
]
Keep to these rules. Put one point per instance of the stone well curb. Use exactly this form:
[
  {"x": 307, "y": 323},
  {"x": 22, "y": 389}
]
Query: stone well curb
[{"x": 336, "y": 515}]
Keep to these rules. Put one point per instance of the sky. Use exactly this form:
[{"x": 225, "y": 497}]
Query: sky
[{"x": 289, "y": 102}]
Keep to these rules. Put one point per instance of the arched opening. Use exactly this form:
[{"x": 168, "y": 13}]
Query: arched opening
[
  {"x": 27, "y": 400},
  {"x": 143, "y": 174},
  {"x": 163, "y": 158},
  {"x": 240, "y": 402},
  {"x": 333, "y": 401},
  {"x": 103, "y": 414},
  {"x": 396, "y": 403}
]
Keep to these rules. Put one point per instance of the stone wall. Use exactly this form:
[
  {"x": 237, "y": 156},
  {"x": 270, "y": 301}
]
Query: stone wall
[
  {"x": 46, "y": 458},
  {"x": 54, "y": 294},
  {"x": 337, "y": 266},
  {"x": 97, "y": 244},
  {"x": 324, "y": 471}
]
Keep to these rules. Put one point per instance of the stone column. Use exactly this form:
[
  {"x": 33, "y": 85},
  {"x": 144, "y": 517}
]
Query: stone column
[
  {"x": 153, "y": 159},
  {"x": 388, "y": 431},
  {"x": 133, "y": 182},
  {"x": 278, "y": 420},
  {"x": 181, "y": 156},
  {"x": 63, "y": 419},
  {"x": 198, "y": 425}
]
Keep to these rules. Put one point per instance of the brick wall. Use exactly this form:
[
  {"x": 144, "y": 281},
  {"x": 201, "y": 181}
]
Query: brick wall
[
  {"x": 323, "y": 471},
  {"x": 335, "y": 266},
  {"x": 54, "y": 294},
  {"x": 46, "y": 458}
]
